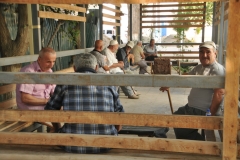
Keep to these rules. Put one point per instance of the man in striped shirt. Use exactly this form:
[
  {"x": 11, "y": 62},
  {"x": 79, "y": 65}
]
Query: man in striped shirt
[{"x": 86, "y": 98}]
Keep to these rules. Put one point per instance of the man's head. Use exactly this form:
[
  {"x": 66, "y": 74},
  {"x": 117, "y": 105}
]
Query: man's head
[
  {"x": 129, "y": 46},
  {"x": 46, "y": 59},
  {"x": 99, "y": 45},
  {"x": 85, "y": 60},
  {"x": 139, "y": 43},
  {"x": 207, "y": 53},
  {"x": 152, "y": 42},
  {"x": 113, "y": 46}
]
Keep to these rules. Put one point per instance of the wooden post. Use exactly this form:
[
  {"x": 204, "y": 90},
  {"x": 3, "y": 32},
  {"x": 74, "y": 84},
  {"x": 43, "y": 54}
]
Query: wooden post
[{"x": 230, "y": 122}]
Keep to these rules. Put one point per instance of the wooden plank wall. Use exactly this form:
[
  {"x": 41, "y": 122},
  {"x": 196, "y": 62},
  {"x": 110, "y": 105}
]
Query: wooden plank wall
[
  {"x": 110, "y": 18},
  {"x": 63, "y": 16},
  {"x": 162, "y": 20}
]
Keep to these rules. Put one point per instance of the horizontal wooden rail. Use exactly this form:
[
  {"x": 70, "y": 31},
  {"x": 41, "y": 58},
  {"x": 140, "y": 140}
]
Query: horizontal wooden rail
[
  {"x": 68, "y": 7},
  {"x": 93, "y": 1},
  {"x": 111, "y": 9},
  {"x": 111, "y": 16},
  {"x": 44, "y": 14},
  {"x": 172, "y": 10},
  {"x": 30, "y": 58},
  {"x": 172, "y": 21},
  {"x": 7, "y": 88},
  {"x": 172, "y": 26},
  {"x": 129, "y": 119},
  {"x": 181, "y": 15},
  {"x": 187, "y": 81},
  {"x": 172, "y": 5},
  {"x": 179, "y": 57},
  {"x": 111, "y": 23},
  {"x": 178, "y": 52},
  {"x": 125, "y": 142}
]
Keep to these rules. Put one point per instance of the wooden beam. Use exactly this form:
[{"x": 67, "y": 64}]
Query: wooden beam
[
  {"x": 178, "y": 52},
  {"x": 180, "y": 57},
  {"x": 111, "y": 16},
  {"x": 8, "y": 104},
  {"x": 113, "y": 79},
  {"x": 43, "y": 14},
  {"x": 93, "y": 1},
  {"x": 172, "y": 26},
  {"x": 124, "y": 142},
  {"x": 68, "y": 7},
  {"x": 181, "y": 15},
  {"x": 111, "y": 9},
  {"x": 172, "y": 10},
  {"x": 7, "y": 88},
  {"x": 111, "y": 23},
  {"x": 172, "y": 21},
  {"x": 130, "y": 119},
  {"x": 230, "y": 122},
  {"x": 173, "y": 5}
]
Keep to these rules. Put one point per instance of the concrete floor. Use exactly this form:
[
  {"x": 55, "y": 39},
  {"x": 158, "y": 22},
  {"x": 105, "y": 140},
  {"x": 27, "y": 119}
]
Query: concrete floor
[{"x": 153, "y": 101}]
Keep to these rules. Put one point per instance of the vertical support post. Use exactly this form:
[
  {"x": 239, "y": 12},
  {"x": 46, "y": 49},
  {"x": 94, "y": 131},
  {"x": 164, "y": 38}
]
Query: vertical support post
[
  {"x": 83, "y": 31},
  {"x": 214, "y": 27},
  {"x": 34, "y": 22},
  {"x": 221, "y": 35},
  {"x": 204, "y": 19},
  {"x": 230, "y": 119},
  {"x": 140, "y": 22},
  {"x": 118, "y": 29},
  {"x": 130, "y": 22},
  {"x": 100, "y": 21}
]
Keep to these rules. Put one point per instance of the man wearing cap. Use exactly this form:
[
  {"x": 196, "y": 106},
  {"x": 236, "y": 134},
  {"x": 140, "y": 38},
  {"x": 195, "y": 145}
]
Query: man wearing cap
[
  {"x": 124, "y": 56},
  {"x": 201, "y": 99},
  {"x": 116, "y": 67},
  {"x": 101, "y": 59},
  {"x": 139, "y": 57}
]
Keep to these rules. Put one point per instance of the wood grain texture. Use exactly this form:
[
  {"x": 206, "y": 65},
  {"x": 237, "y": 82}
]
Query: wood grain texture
[
  {"x": 43, "y": 14},
  {"x": 124, "y": 142},
  {"x": 230, "y": 123},
  {"x": 131, "y": 119}
]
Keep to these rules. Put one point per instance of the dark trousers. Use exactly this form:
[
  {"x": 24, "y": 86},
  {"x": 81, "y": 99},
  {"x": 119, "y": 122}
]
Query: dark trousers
[
  {"x": 188, "y": 133},
  {"x": 150, "y": 58}
]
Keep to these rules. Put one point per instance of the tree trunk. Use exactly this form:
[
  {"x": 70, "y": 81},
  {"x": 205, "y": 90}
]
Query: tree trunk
[{"x": 17, "y": 47}]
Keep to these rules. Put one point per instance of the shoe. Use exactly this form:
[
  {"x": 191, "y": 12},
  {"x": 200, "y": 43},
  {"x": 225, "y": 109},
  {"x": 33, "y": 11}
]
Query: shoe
[
  {"x": 137, "y": 94},
  {"x": 133, "y": 97}
]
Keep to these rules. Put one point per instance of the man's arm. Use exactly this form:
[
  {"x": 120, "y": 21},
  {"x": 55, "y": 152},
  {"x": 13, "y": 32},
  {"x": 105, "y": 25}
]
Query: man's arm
[
  {"x": 31, "y": 100},
  {"x": 142, "y": 55},
  {"x": 55, "y": 103},
  {"x": 216, "y": 100},
  {"x": 115, "y": 65}
]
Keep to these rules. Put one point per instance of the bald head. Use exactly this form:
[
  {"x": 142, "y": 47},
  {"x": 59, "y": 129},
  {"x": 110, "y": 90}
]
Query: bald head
[{"x": 99, "y": 45}]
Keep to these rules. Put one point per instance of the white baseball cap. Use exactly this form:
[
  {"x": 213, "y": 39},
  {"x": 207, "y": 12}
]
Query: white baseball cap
[{"x": 113, "y": 42}]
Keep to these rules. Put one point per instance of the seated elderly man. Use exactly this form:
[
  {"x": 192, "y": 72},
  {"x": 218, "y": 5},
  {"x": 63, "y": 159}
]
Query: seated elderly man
[
  {"x": 101, "y": 59},
  {"x": 36, "y": 96},
  {"x": 79, "y": 98},
  {"x": 201, "y": 99},
  {"x": 116, "y": 67},
  {"x": 150, "y": 51},
  {"x": 124, "y": 56},
  {"x": 139, "y": 58}
]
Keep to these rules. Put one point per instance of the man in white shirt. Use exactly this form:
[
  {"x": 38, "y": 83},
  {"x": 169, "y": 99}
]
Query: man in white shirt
[{"x": 116, "y": 67}]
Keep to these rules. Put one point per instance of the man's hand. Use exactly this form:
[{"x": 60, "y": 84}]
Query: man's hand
[
  {"x": 164, "y": 89},
  {"x": 118, "y": 127}
]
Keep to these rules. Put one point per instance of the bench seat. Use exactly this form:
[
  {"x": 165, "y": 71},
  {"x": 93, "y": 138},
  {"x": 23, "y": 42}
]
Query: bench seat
[{"x": 30, "y": 152}]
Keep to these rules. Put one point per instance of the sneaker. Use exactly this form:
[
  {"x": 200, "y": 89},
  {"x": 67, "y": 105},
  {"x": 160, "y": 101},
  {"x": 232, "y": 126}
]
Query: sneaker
[{"x": 133, "y": 97}]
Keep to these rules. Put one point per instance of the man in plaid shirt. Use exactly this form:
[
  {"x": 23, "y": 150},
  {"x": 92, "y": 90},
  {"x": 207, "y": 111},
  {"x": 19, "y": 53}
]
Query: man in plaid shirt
[{"x": 85, "y": 98}]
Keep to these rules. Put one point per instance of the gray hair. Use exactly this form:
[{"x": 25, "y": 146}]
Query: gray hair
[
  {"x": 139, "y": 42},
  {"x": 46, "y": 50},
  {"x": 85, "y": 60}
]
